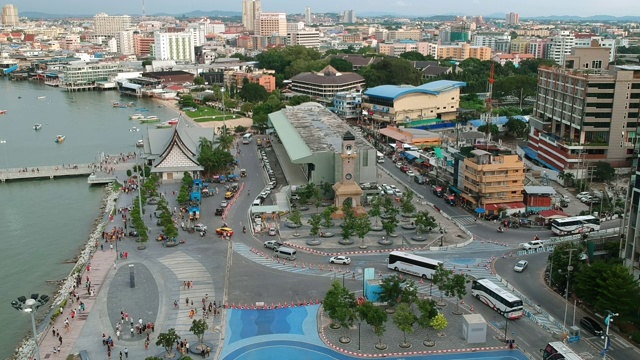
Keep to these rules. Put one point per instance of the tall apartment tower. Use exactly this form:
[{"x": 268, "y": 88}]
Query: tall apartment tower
[
  {"x": 174, "y": 46},
  {"x": 126, "y": 42},
  {"x": 349, "y": 17},
  {"x": 631, "y": 249},
  {"x": 111, "y": 25},
  {"x": 268, "y": 24},
  {"x": 10, "y": 15},
  {"x": 512, "y": 18},
  {"x": 307, "y": 16},
  {"x": 560, "y": 46},
  {"x": 250, "y": 11}
]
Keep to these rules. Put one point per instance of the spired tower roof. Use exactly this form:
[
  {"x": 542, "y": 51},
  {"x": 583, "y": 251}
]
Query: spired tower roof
[
  {"x": 177, "y": 156},
  {"x": 348, "y": 136}
]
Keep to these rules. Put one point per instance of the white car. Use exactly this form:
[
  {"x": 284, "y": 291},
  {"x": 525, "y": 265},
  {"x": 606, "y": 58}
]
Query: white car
[
  {"x": 532, "y": 245},
  {"x": 399, "y": 164},
  {"x": 224, "y": 203},
  {"x": 410, "y": 173},
  {"x": 272, "y": 231},
  {"x": 582, "y": 194},
  {"x": 520, "y": 266},
  {"x": 397, "y": 192},
  {"x": 200, "y": 227},
  {"x": 344, "y": 260}
]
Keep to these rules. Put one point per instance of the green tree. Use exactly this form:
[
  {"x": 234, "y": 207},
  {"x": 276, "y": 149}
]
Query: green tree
[
  {"x": 391, "y": 71},
  {"x": 494, "y": 129},
  {"x": 168, "y": 340},
  {"x": 361, "y": 226},
  {"x": 198, "y": 80},
  {"x": 376, "y": 318},
  {"x": 327, "y": 216},
  {"x": 518, "y": 86},
  {"x": 406, "y": 203},
  {"x": 404, "y": 320},
  {"x": 391, "y": 290},
  {"x": 560, "y": 262},
  {"x": 603, "y": 171},
  {"x": 409, "y": 293},
  {"x": 428, "y": 312},
  {"x": 254, "y": 93},
  {"x": 247, "y": 107},
  {"x": 441, "y": 278},
  {"x": 198, "y": 328},
  {"x": 314, "y": 221},
  {"x": 457, "y": 286},
  {"x": 439, "y": 323},
  {"x": 424, "y": 220},
  {"x": 340, "y": 305},
  {"x": 516, "y": 127},
  {"x": 187, "y": 101},
  {"x": 390, "y": 224},
  {"x": 376, "y": 209},
  {"x": 296, "y": 218},
  {"x": 299, "y": 99},
  {"x": 413, "y": 56}
]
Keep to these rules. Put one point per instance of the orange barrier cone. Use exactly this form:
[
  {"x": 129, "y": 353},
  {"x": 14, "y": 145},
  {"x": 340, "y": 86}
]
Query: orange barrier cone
[
  {"x": 471, "y": 308},
  {"x": 233, "y": 306},
  {"x": 279, "y": 306},
  {"x": 462, "y": 301}
]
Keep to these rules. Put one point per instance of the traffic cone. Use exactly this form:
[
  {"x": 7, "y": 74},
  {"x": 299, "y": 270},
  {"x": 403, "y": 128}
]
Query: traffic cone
[
  {"x": 471, "y": 308},
  {"x": 233, "y": 305},
  {"x": 279, "y": 306},
  {"x": 339, "y": 270}
]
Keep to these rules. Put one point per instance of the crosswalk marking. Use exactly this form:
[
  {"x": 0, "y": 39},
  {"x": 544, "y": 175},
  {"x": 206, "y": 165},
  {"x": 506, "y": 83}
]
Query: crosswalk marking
[{"x": 464, "y": 220}]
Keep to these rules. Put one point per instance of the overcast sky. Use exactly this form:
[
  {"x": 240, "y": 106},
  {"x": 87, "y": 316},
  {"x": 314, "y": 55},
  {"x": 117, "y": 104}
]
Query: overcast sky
[{"x": 414, "y": 7}]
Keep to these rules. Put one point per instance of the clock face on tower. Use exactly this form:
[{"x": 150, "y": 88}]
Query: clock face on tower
[
  {"x": 348, "y": 176},
  {"x": 348, "y": 148}
]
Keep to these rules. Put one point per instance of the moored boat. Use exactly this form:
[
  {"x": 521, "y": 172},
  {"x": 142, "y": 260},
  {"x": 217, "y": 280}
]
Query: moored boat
[
  {"x": 2, "y": 112},
  {"x": 41, "y": 97},
  {"x": 164, "y": 125},
  {"x": 173, "y": 122},
  {"x": 140, "y": 143},
  {"x": 115, "y": 104},
  {"x": 152, "y": 117},
  {"x": 60, "y": 139},
  {"x": 136, "y": 117},
  {"x": 37, "y": 127}
]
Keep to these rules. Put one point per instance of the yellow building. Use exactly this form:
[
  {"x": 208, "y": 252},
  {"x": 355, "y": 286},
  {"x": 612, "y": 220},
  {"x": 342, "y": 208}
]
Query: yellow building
[
  {"x": 464, "y": 51},
  {"x": 519, "y": 46},
  {"x": 493, "y": 182},
  {"x": 399, "y": 104}
]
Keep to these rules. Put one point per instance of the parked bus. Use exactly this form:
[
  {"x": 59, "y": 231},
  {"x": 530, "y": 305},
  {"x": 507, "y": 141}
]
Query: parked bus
[
  {"x": 413, "y": 264},
  {"x": 380, "y": 157},
  {"x": 498, "y": 298},
  {"x": 247, "y": 138},
  {"x": 575, "y": 225},
  {"x": 557, "y": 350}
]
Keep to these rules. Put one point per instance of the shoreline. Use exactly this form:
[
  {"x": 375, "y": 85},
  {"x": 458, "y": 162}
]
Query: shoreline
[
  {"x": 26, "y": 348},
  {"x": 215, "y": 124}
]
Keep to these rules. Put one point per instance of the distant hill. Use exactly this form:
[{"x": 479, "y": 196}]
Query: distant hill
[
  {"x": 585, "y": 18},
  {"x": 196, "y": 13}
]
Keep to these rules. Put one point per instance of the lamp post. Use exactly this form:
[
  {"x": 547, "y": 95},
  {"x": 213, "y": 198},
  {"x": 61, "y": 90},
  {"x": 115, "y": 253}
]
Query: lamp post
[
  {"x": 359, "y": 323},
  {"x": 224, "y": 122},
  {"x": 4, "y": 150},
  {"x": 138, "y": 179},
  {"x": 608, "y": 320},
  {"x": 31, "y": 305}
]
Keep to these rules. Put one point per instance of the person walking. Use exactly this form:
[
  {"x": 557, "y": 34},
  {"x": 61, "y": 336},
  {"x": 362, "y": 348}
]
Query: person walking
[{"x": 126, "y": 353}]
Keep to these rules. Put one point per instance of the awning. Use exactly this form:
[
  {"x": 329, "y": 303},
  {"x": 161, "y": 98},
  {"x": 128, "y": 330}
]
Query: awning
[
  {"x": 438, "y": 152},
  {"x": 394, "y": 134},
  {"x": 481, "y": 210},
  {"x": 455, "y": 189},
  {"x": 419, "y": 161},
  {"x": 546, "y": 164},
  {"x": 407, "y": 156},
  {"x": 530, "y": 153}
]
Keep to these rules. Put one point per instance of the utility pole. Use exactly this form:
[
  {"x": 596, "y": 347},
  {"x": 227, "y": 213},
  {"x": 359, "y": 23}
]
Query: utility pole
[{"x": 569, "y": 268}]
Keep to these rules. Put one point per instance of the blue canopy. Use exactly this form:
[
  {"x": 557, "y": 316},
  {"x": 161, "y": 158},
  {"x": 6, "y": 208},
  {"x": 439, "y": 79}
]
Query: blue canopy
[{"x": 481, "y": 210}]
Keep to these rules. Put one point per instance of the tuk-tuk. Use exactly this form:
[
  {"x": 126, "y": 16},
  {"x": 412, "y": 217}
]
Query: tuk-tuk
[
  {"x": 223, "y": 179},
  {"x": 243, "y": 172}
]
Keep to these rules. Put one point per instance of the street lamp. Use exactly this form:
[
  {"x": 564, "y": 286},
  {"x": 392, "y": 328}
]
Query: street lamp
[
  {"x": 224, "y": 122},
  {"x": 31, "y": 306},
  {"x": 359, "y": 323},
  {"x": 608, "y": 320},
  {"x": 141, "y": 171}
]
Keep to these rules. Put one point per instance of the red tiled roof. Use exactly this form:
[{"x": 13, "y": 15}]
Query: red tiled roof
[{"x": 552, "y": 213}]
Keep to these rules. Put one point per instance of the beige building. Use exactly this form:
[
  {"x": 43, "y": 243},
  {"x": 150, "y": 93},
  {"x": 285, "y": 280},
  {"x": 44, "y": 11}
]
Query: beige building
[
  {"x": 588, "y": 58},
  {"x": 268, "y": 24},
  {"x": 250, "y": 11},
  {"x": 464, "y": 51},
  {"x": 10, "y": 15},
  {"x": 400, "y": 104},
  {"x": 493, "y": 179},
  {"x": 111, "y": 25},
  {"x": 413, "y": 34},
  {"x": 326, "y": 83}
]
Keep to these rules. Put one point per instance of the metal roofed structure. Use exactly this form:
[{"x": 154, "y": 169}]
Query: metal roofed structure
[
  {"x": 312, "y": 138},
  {"x": 393, "y": 92}
]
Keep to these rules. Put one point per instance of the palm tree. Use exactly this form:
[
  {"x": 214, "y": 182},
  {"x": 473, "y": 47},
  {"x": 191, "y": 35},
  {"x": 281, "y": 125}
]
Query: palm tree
[{"x": 225, "y": 140}]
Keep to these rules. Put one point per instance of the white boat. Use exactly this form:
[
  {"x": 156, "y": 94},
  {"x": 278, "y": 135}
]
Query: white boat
[
  {"x": 60, "y": 139},
  {"x": 2, "y": 112},
  {"x": 140, "y": 143},
  {"x": 41, "y": 97},
  {"x": 152, "y": 117},
  {"x": 37, "y": 127},
  {"x": 164, "y": 125},
  {"x": 136, "y": 117}
]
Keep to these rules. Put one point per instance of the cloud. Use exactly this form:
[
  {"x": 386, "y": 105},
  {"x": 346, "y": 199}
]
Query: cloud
[{"x": 401, "y": 3}]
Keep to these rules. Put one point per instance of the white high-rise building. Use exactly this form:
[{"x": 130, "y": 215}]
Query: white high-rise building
[
  {"x": 349, "y": 17},
  {"x": 10, "y": 15},
  {"x": 307, "y": 16},
  {"x": 306, "y": 38},
  {"x": 174, "y": 46},
  {"x": 268, "y": 24},
  {"x": 111, "y": 25},
  {"x": 560, "y": 46},
  {"x": 250, "y": 11},
  {"x": 125, "y": 42},
  {"x": 608, "y": 43}
]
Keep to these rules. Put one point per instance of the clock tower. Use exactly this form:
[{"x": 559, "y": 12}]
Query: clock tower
[{"x": 347, "y": 187}]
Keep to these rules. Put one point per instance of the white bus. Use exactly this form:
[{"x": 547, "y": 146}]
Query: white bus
[
  {"x": 380, "y": 157},
  {"x": 413, "y": 264},
  {"x": 247, "y": 138},
  {"x": 575, "y": 225},
  {"x": 557, "y": 350},
  {"x": 497, "y": 298}
]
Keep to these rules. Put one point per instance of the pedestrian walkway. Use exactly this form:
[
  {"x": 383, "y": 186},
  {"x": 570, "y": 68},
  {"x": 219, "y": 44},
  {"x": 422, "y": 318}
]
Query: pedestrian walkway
[
  {"x": 101, "y": 263},
  {"x": 465, "y": 220},
  {"x": 188, "y": 269}
]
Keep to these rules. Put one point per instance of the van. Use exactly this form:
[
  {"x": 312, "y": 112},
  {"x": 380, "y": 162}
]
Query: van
[
  {"x": 419, "y": 179},
  {"x": 285, "y": 253},
  {"x": 256, "y": 202}
]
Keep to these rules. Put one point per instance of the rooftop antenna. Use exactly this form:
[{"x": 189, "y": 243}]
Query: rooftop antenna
[{"x": 143, "y": 10}]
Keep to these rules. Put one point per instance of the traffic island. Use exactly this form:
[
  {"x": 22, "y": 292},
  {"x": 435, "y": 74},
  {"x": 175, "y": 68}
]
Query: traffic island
[
  {"x": 419, "y": 238},
  {"x": 385, "y": 241},
  {"x": 345, "y": 242},
  {"x": 313, "y": 242},
  {"x": 409, "y": 226},
  {"x": 377, "y": 228}
]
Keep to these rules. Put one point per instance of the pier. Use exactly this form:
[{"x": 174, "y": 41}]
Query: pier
[{"x": 52, "y": 172}]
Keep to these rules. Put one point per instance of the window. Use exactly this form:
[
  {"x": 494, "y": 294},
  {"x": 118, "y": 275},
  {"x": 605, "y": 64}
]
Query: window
[
  {"x": 597, "y": 64},
  {"x": 635, "y": 86},
  {"x": 600, "y": 105},
  {"x": 598, "y": 115},
  {"x": 608, "y": 86},
  {"x": 603, "y": 95}
]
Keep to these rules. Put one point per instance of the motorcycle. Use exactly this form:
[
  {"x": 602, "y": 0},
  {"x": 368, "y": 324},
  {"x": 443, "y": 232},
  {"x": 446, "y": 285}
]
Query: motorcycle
[
  {"x": 500, "y": 230},
  {"x": 244, "y": 229}
]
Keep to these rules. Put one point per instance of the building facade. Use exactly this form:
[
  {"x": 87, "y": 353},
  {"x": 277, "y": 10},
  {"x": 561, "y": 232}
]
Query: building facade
[
  {"x": 174, "y": 46},
  {"x": 631, "y": 250},
  {"x": 306, "y": 38},
  {"x": 348, "y": 104},
  {"x": 512, "y": 18},
  {"x": 111, "y": 25},
  {"x": 560, "y": 46},
  {"x": 493, "y": 179},
  {"x": 142, "y": 46},
  {"x": 250, "y": 11},
  {"x": 74, "y": 75},
  {"x": 464, "y": 51},
  {"x": 497, "y": 41},
  {"x": 400, "y": 104},
  {"x": 349, "y": 17},
  {"x": 10, "y": 15},
  {"x": 126, "y": 44},
  {"x": 268, "y": 24},
  {"x": 326, "y": 83},
  {"x": 582, "y": 117}
]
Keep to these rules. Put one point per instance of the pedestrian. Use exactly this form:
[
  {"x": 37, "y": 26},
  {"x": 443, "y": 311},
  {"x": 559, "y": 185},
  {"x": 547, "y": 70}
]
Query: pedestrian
[
  {"x": 132, "y": 331},
  {"x": 126, "y": 353},
  {"x": 55, "y": 350},
  {"x": 146, "y": 344},
  {"x": 111, "y": 247},
  {"x": 60, "y": 339},
  {"x": 101, "y": 247},
  {"x": 120, "y": 355},
  {"x": 118, "y": 334},
  {"x": 114, "y": 265},
  {"x": 187, "y": 300}
]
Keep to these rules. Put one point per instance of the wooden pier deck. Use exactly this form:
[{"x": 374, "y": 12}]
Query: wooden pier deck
[{"x": 52, "y": 172}]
